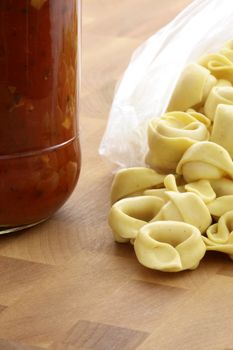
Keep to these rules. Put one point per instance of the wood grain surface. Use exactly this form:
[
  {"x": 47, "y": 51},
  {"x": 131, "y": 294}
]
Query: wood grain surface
[{"x": 65, "y": 285}]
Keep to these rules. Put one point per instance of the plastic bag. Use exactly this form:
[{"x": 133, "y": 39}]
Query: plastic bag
[{"x": 149, "y": 81}]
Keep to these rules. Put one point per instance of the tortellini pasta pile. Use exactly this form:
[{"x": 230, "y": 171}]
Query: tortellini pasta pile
[{"x": 182, "y": 205}]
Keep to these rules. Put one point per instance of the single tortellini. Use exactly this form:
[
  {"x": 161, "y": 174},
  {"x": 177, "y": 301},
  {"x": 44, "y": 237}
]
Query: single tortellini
[
  {"x": 219, "y": 65},
  {"x": 205, "y": 160},
  {"x": 169, "y": 246},
  {"x": 220, "y": 235},
  {"x": 203, "y": 189},
  {"x": 222, "y": 132},
  {"x": 170, "y": 136},
  {"x": 128, "y": 215},
  {"x": 187, "y": 207},
  {"x": 192, "y": 88},
  {"x": 218, "y": 95},
  {"x": 221, "y": 205},
  {"x": 133, "y": 181}
]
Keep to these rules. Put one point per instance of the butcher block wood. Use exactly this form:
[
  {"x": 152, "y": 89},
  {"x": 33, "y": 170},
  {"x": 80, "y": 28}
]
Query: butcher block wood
[{"x": 65, "y": 285}]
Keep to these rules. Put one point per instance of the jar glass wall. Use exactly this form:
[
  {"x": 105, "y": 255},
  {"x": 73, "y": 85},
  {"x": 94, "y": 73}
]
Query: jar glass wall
[{"x": 39, "y": 145}]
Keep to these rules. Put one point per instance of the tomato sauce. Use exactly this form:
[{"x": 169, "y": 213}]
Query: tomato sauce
[{"x": 39, "y": 147}]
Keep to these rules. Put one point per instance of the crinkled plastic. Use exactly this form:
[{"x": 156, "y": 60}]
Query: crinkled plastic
[{"x": 149, "y": 81}]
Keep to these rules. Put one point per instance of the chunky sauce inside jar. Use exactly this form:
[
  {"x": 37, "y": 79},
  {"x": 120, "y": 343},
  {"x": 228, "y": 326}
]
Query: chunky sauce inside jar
[{"x": 39, "y": 149}]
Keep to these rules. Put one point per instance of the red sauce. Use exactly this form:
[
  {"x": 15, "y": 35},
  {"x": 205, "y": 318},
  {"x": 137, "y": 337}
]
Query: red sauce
[{"x": 39, "y": 148}]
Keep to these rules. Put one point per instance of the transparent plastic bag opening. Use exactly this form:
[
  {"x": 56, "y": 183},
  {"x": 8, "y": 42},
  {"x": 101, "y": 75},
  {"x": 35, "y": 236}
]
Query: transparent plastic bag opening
[{"x": 149, "y": 81}]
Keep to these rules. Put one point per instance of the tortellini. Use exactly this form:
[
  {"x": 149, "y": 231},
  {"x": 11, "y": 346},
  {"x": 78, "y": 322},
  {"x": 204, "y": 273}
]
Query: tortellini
[
  {"x": 182, "y": 205},
  {"x": 219, "y": 65},
  {"x": 132, "y": 181},
  {"x": 203, "y": 189},
  {"x": 192, "y": 88},
  {"x": 170, "y": 183},
  {"x": 170, "y": 136},
  {"x": 221, "y": 205},
  {"x": 227, "y": 50},
  {"x": 218, "y": 95},
  {"x": 158, "y": 192},
  {"x": 128, "y": 215},
  {"x": 222, "y": 132},
  {"x": 169, "y": 246},
  {"x": 223, "y": 82},
  {"x": 222, "y": 187},
  {"x": 220, "y": 235},
  {"x": 205, "y": 160},
  {"x": 187, "y": 207}
]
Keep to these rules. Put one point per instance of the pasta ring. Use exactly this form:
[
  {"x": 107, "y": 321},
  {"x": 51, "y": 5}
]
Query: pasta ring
[
  {"x": 205, "y": 160},
  {"x": 170, "y": 136},
  {"x": 128, "y": 215},
  {"x": 219, "y": 65},
  {"x": 220, "y": 235},
  {"x": 169, "y": 246}
]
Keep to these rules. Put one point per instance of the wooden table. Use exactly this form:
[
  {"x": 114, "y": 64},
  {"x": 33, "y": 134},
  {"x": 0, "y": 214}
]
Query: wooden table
[{"x": 65, "y": 284}]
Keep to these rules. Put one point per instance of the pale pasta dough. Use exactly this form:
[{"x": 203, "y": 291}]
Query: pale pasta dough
[
  {"x": 158, "y": 192},
  {"x": 192, "y": 88},
  {"x": 200, "y": 117},
  {"x": 219, "y": 65},
  {"x": 128, "y": 215},
  {"x": 170, "y": 136},
  {"x": 167, "y": 213},
  {"x": 223, "y": 82},
  {"x": 170, "y": 183},
  {"x": 169, "y": 246},
  {"x": 222, "y": 187},
  {"x": 218, "y": 95},
  {"x": 221, "y": 205},
  {"x": 205, "y": 160},
  {"x": 187, "y": 207},
  {"x": 227, "y": 50},
  {"x": 222, "y": 132},
  {"x": 134, "y": 180},
  {"x": 203, "y": 189},
  {"x": 220, "y": 235}
]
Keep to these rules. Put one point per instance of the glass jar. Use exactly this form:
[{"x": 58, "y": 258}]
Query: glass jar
[{"x": 39, "y": 145}]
